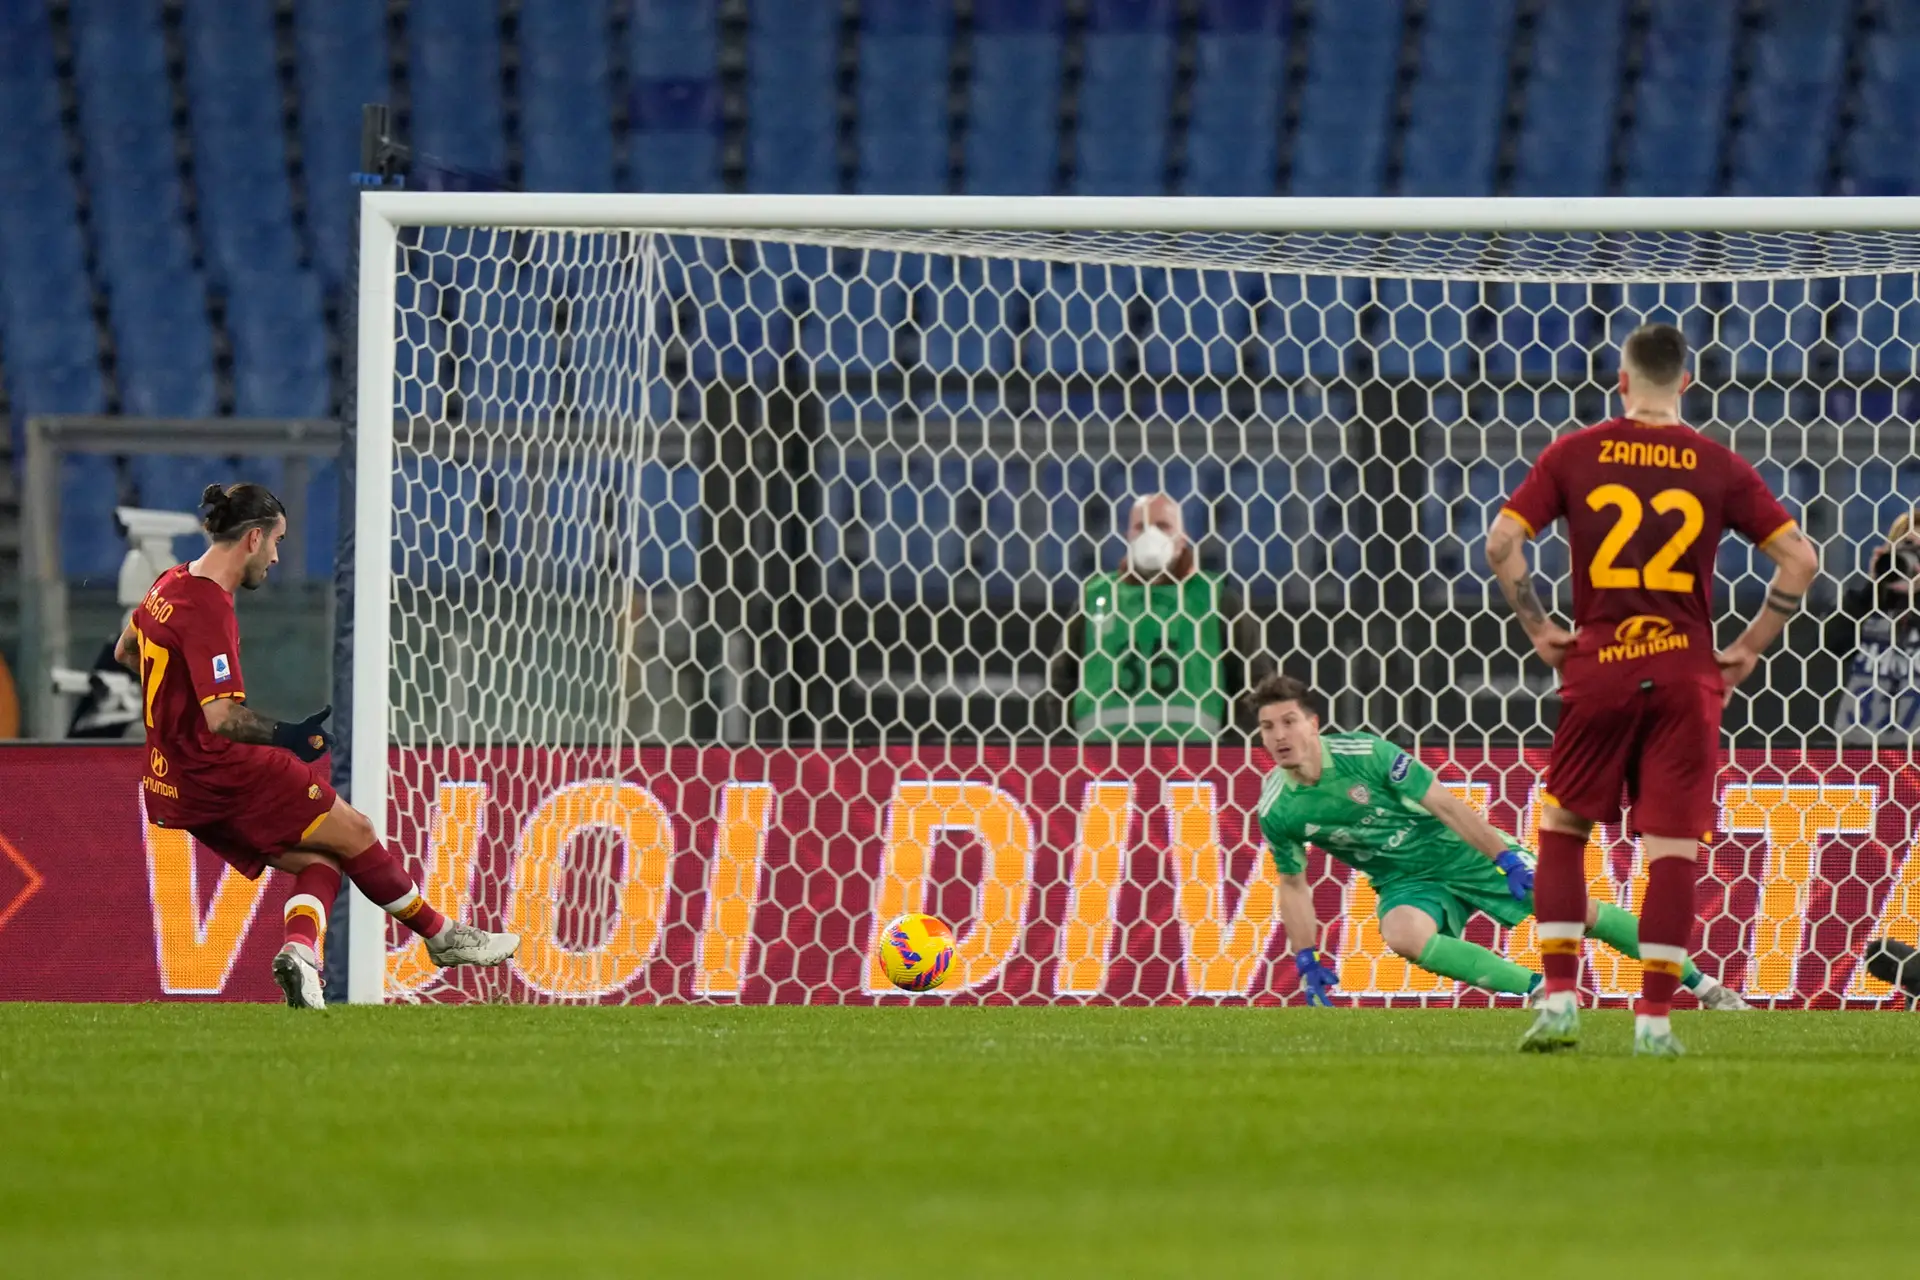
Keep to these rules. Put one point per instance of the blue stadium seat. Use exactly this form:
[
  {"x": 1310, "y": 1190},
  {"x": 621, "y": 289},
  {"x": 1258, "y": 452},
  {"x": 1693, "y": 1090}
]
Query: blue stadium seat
[
  {"x": 1425, "y": 333},
  {"x": 1459, "y": 99},
  {"x": 1878, "y": 326},
  {"x": 670, "y": 524},
  {"x": 91, "y": 547},
  {"x": 851, "y": 323},
  {"x": 969, "y": 313},
  {"x": 126, "y": 112},
  {"x": 342, "y": 63},
  {"x": 174, "y": 482},
  {"x": 279, "y": 346},
  {"x": 454, "y": 53},
  {"x": 1310, "y": 324},
  {"x": 1771, "y": 328},
  {"x": 732, "y": 316},
  {"x": 891, "y": 533},
  {"x": 240, "y": 161},
  {"x": 1542, "y": 331},
  {"x": 1680, "y": 103},
  {"x": 674, "y": 39},
  {"x": 675, "y": 145},
  {"x": 1237, "y": 93},
  {"x": 1202, "y": 322},
  {"x": 29, "y": 96},
  {"x": 1080, "y": 320},
  {"x": 1126, "y": 93},
  {"x": 1792, "y": 95},
  {"x": 1340, "y": 148},
  {"x": 1013, "y": 113},
  {"x": 793, "y": 98},
  {"x": 322, "y": 530},
  {"x": 1568, "y": 125},
  {"x": 566, "y": 129},
  {"x": 1879, "y": 160},
  {"x": 165, "y": 345},
  {"x": 903, "y": 98},
  {"x": 1239, "y": 87}
]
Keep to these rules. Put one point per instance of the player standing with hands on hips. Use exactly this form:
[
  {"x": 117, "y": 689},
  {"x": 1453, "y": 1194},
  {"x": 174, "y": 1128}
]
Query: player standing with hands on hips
[
  {"x": 243, "y": 784},
  {"x": 1645, "y": 498}
]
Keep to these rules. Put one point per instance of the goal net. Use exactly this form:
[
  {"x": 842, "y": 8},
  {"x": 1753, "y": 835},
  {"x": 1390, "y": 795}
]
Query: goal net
[{"x": 749, "y": 569}]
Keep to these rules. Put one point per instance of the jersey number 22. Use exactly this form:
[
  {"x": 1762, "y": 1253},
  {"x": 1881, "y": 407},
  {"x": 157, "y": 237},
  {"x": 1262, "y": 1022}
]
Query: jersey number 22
[{"x": 1659, "y": 574}]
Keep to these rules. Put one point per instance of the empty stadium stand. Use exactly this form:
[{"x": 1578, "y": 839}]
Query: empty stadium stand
[{"x": 175, "y": 203}]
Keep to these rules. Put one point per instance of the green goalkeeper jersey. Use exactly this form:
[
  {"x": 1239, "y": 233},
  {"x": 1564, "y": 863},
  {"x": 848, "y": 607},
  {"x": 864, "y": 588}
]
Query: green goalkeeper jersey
[{"x": 1365, "y": 810}]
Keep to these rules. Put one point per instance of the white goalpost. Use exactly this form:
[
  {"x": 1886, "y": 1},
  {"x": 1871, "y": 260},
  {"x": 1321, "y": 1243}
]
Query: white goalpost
[{"x": 725, "y": 567}]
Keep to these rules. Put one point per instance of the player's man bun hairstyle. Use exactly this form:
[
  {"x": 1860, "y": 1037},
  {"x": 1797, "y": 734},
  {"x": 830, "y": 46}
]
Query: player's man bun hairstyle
[
  {"x": 1281, "y": 688},
  {"x": 229, "y": 510},
  {"x": 1658, "y": 353}
]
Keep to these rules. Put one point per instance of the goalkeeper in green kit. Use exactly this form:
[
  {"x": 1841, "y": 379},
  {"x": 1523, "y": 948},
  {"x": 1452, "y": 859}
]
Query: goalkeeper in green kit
[{"x": 1433, "y": 861}]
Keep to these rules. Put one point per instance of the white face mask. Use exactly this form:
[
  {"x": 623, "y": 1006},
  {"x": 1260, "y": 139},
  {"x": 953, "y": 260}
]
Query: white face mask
[{"x": 1151, "y": 551}]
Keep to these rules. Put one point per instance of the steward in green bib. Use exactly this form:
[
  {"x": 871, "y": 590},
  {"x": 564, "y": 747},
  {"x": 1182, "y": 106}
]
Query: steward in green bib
[{"x": 1151, "y": 655}]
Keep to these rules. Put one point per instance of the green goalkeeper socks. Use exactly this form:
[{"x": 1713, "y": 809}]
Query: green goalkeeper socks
[
  {"x": 1476, "y": 966},
  {"x": 1621, "y": 931}
]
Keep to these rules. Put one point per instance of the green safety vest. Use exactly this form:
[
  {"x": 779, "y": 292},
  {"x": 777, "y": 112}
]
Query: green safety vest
[{"x": 1150, "y": 661}]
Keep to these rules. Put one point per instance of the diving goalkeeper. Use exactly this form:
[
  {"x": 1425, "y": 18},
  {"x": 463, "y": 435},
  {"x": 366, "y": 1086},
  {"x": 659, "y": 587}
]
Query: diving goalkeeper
[{"x": 1432, "y": 860}]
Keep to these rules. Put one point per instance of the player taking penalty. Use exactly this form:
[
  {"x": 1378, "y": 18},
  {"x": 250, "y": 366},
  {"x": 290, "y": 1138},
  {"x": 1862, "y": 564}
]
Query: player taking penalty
[
  {"x": 1433, "y": 861},
  {"x": 1645, "y": 499},
  {"x": 242, "y": 784}
]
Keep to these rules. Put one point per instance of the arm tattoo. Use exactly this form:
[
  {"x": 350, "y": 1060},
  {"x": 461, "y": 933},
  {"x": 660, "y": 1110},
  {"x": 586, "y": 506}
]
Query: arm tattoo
[
  {"x": 246, "y": 725},
  {"x": 1524, "y": 600},
  {"x": 1784, "y": 603}
]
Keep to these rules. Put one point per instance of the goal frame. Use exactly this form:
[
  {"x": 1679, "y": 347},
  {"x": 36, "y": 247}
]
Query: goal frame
[{"x": 383, "y": 213}]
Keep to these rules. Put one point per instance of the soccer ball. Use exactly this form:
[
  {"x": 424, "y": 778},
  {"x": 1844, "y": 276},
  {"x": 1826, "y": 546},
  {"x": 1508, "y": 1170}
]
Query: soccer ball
[{"x": 915, "y": 950}]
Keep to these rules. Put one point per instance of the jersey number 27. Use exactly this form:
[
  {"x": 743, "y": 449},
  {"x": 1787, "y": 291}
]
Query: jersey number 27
[{"x": 153, "y": 666}]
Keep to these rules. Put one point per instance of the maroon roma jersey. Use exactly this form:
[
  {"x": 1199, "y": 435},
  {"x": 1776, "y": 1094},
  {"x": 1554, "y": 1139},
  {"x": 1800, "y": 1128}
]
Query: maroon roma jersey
[
  {"x": 1645, "y": 507},
  {"x": 189, "y": 655}
]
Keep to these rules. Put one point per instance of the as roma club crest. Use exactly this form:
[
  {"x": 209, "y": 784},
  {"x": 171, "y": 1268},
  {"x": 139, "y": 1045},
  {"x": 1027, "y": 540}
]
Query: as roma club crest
[{"x": 1359, "y": 794}]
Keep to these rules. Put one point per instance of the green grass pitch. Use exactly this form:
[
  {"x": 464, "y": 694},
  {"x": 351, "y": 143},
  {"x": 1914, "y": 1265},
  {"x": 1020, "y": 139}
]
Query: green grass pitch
[{"x": 206, "y": 1141}]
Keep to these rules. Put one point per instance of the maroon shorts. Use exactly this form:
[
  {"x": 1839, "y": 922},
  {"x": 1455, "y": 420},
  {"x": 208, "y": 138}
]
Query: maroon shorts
[
  {"x": 251, "y": 809},
  {"x": 1658, "y": 745}
]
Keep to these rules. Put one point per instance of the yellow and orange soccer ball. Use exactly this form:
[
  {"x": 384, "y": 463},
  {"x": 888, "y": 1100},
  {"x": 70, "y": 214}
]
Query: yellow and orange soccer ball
[{"x": 915, "y": 950}]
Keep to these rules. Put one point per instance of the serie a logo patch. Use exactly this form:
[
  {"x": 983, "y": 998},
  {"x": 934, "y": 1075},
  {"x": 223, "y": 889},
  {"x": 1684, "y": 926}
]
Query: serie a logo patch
[{"x": 222, "y": 669}]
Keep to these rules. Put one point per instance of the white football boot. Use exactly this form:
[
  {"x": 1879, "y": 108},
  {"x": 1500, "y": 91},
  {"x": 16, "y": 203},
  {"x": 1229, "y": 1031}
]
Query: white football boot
[
  {"x": 464, "y": 944},
  {"x": 1718, "y": 997},
  {"x": 297, "y": 970},
  {"x": 1557, "y": 1027}
]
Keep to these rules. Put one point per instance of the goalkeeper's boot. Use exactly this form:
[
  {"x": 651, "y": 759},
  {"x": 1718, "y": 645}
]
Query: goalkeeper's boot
[
  {"x": 1556, "y": 1027},
  {"x": 1649, "y": 1043},
  {"x": 1719, "y": 997},
  {"x": 464, "y": 944},
  {"x": 297, "y": 970}
]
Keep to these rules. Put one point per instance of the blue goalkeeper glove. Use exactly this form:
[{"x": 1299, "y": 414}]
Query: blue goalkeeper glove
[
  {"x": 1519, "y": 874},
  {"x": 1316, "y": 977},
  {"x": 305, "y": 738}
]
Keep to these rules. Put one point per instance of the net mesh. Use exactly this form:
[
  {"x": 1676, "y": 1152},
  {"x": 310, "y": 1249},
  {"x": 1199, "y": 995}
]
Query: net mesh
[{"x": 741, "y": 586}]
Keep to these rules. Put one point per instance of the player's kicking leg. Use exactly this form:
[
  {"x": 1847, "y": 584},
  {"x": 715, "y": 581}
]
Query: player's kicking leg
[{"x": 317, "y": 866}]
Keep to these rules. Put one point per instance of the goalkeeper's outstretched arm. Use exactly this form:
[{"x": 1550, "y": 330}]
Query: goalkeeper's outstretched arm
[
  {"x": 1465, "y": 823},
  {"x": 1296, "y": 913}
]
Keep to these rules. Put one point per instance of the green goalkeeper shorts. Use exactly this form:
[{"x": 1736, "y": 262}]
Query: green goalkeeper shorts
[{"x": 1450, "y": 902}]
